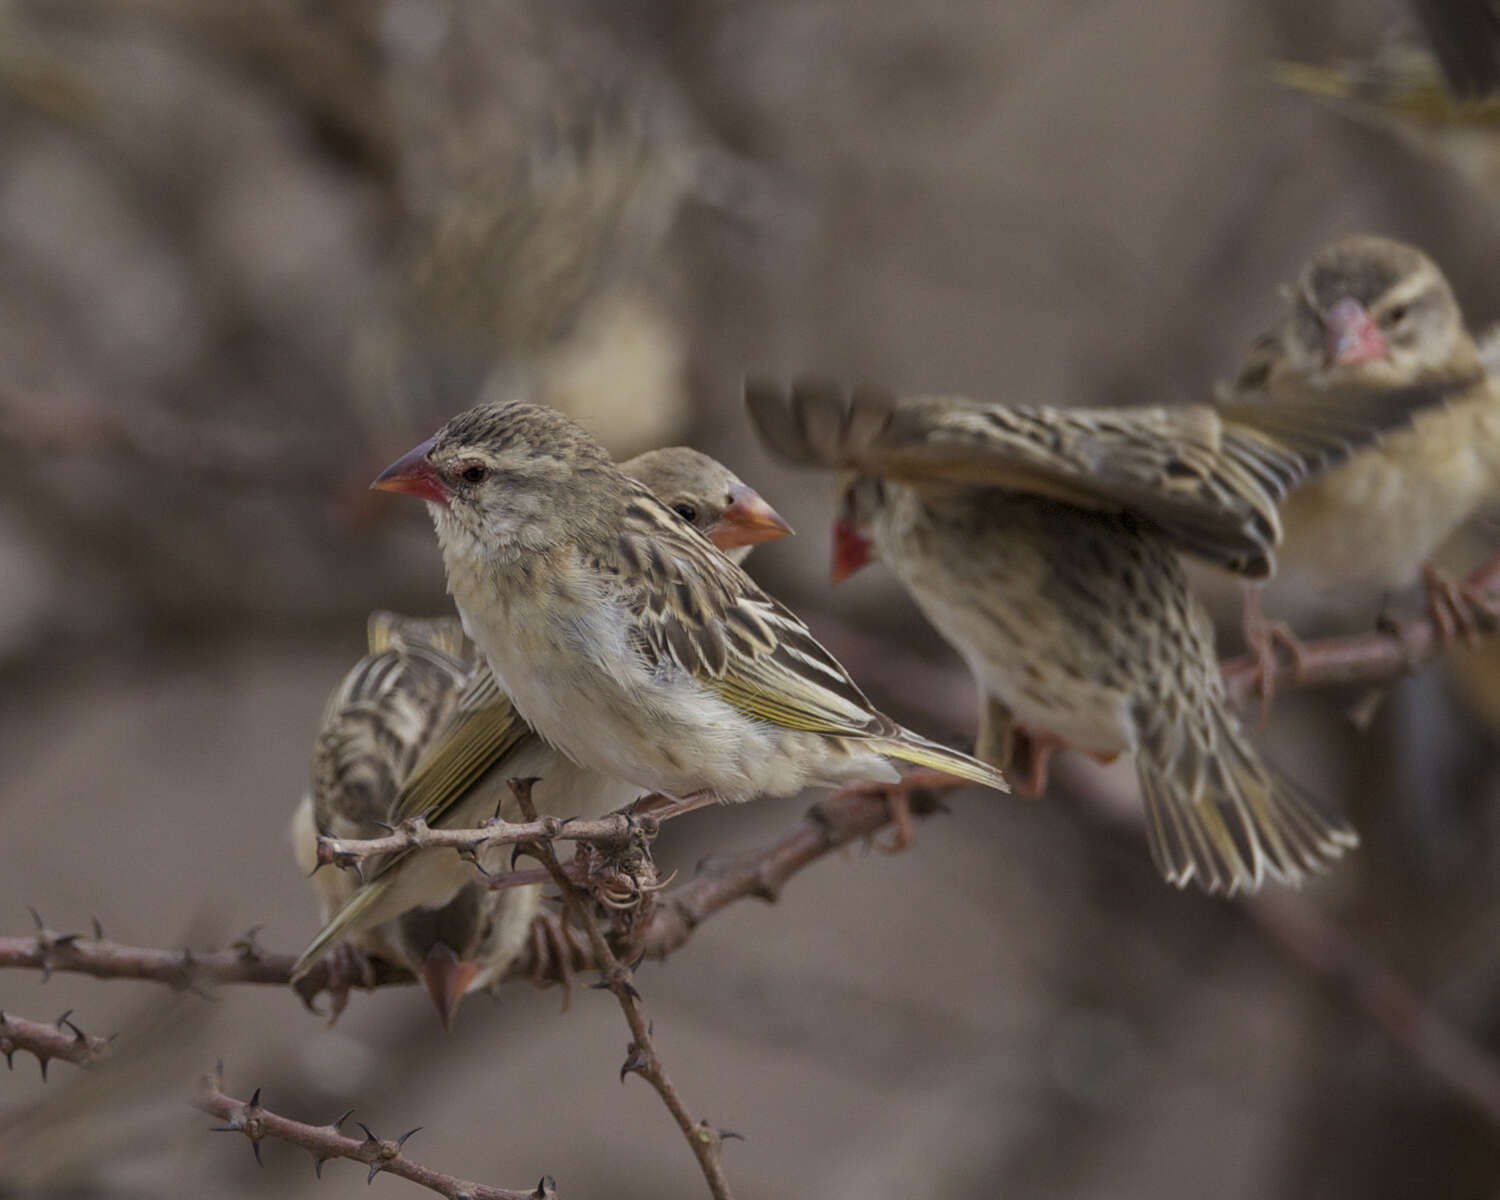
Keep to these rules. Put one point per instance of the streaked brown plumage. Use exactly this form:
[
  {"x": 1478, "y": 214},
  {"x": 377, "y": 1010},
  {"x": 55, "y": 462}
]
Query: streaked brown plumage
[
  {"x": 625, "y": 638},
  {"x": 376, "y": 725},
  {"x": 1374, "y": 314},
  {"x": 1042, "y": 543},
  {"x": 476, "y": 741}
]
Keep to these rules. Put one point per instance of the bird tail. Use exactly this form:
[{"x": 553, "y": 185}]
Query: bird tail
[
  {"x": 913, "y": 748},
  {"x": 360, "y": 911},
  {"x": 1218, "y": 815}
]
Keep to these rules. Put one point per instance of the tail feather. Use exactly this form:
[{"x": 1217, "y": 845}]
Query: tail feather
[
  {"x": 913, "y": 748},
  {"x": 358, "y": 912},
  {"x": 1218, "y": 816}
]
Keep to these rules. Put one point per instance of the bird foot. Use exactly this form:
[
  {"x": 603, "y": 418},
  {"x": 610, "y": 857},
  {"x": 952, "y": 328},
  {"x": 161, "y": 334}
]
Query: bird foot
[
  {"x": 899, "y": 797},
  {"x": 349, "y": 967},
  {"x": 1269, "y": 636},
  {"x": 1458, "y": 610},
  {"x": 1030, "y": 757}
]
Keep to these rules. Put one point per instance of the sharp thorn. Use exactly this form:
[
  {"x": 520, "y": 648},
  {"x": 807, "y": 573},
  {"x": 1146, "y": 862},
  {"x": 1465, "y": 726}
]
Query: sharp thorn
[
  {"x": 636, "y": 966},
  {"x": 64, "y": 1017},
  {"x": 219, "y": 1070},
  {"x": 629, "y": 989},
  {"x": 338, "y": 1125},
  {"x": 375, "y": 1169},
  {"x": 43, "y": 1063},
  {"x": 98, "y": 928},
  {"x": 318, "y": 1161},
  {"x": 545, "y": 1186},
  {"x": 369, "y": 1137},
  {"x": 66, "y": 939},
  {"x": 36, "y": 918},
  {"x": 401, "y": 1141},
  {"x": 255, "y": 1098},
  {"x": 10, "y": 1060},
  {"x": 726, "y": 1134},
  {"x": 224, "y": 1129},
  {"x": 651, "y": 1027},
  {"x": 255, "y": 1146}
]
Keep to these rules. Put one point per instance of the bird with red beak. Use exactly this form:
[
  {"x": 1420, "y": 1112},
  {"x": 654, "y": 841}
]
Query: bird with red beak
[
  {"x": 454, "y": 934},
  {"x": 1376, "y": 314}
]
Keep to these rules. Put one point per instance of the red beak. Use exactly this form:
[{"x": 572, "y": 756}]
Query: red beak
[
  {"x": 446, "y": 978},
  {"x": 415, "y": 475},
  {"x": 1349, "y": 336},
  {"x": 851, "y": 550},
  {"x": 747, "y": 521}
]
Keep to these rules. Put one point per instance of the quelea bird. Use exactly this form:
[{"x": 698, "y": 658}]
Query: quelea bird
[
  {"x": 624, "y": 638},
  {"x": 375, "y": 726},
  {"x": 1043, "y": 545},
  {"x": 1370, "y": 316},
  {"x": 447, "y": 752}
]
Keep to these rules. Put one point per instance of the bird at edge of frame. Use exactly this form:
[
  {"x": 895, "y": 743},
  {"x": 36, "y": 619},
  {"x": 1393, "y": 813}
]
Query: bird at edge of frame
[
  {"x": 1043, "y": 544},
  {"x": 1370, "y": 316}
]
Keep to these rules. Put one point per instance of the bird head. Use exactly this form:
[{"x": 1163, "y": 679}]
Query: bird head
[
  {"x": 709, "y": 497},
  {"x": 506, "y": 477},
  {"x": 1375, "y": 311}
]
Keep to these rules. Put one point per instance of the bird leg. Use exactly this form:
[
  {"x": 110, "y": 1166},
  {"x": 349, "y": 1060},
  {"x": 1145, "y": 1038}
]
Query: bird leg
[
  {"x": 898, "y": 799},
  {"x": 349, "y": 967},
  {"x": 1457, "y": 609},
  {"x": 1262, "y": 637}
]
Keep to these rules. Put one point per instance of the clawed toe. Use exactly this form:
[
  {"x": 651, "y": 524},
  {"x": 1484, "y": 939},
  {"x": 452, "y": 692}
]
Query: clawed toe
[{"x": 1457, "y": 610}]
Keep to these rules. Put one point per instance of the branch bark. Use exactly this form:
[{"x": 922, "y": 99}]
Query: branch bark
[
  {"x": 250, "y": 1118},
  {"x": 706, "y": 1142},
  {"x": 61, "y": 1039}
]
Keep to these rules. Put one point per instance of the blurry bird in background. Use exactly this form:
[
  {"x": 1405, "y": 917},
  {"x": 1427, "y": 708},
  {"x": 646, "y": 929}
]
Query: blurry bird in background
[
  {"x": 1043, "y": 543},
  {"x": 1441, "y": 99},
  {"x": 1375, "y": 315},
  {"x": 426, "y": 910}
]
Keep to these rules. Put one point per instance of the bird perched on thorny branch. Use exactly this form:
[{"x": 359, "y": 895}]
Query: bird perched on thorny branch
[
  {"x": 1374, "y": 315},
  {"x": 473, "y": 743},
  {"x": 375, "y": 725},
  {"x": 624, "y": 637},
  {"x": 1042, "y": 543}
]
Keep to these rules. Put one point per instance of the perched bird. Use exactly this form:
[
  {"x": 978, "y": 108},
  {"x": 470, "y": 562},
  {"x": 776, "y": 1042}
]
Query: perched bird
[
  {"x": 624, "y": 637},
  {"x": 1042, "y": 543},
  {"x": 1373, "y": 314},
  {"x": 477, "y": 742},
  {"x": 376, "y": 724}
]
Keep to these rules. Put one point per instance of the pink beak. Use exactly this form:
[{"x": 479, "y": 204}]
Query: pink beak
[
  {"x": 1349, "y": 336},
  {"x": 747, "y": 521},
  {"x": 851, "y": 549},
  {"x": 414, "y": 474},
  {"x": 446, "y": 978}
]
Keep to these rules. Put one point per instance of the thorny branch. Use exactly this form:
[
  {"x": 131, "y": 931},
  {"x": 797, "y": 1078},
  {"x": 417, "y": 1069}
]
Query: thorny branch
[
  {"x": 327, "y": 1141},
  {"x": 1381, "y": 656},
  {"x": 416, "y": 834},
  {"x": 707, "y": 1143},
  {"x": 61, "y": 1039}
]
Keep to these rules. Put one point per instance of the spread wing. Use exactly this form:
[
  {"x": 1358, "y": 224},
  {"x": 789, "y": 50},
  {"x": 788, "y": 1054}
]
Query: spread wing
[{"x": 1210, "y": 478}]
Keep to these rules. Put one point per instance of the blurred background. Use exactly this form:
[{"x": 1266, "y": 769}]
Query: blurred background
[{"x": 251, "y": 250}]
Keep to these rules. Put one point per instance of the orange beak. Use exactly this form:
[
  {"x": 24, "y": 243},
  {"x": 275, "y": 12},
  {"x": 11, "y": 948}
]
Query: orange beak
[
  {"x": 747, "y": 521},
  {"x": 446, "y": 978},
  {"x": 414, "y": 474},
  {"x": 851, "y": 550},
  {"x": 1349, "y": 336}
]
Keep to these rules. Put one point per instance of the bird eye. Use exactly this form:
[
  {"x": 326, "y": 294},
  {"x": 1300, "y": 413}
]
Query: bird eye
[
  {"x": 686, "y": 511},
  {"x": 1393, "y": 316},
  {"x": 473, "y": 473}
]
